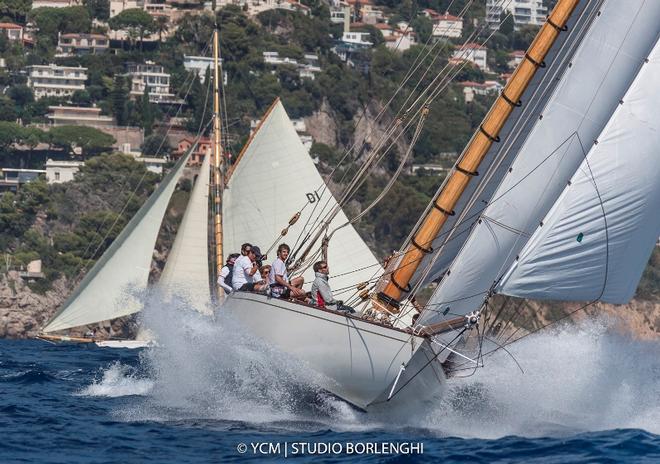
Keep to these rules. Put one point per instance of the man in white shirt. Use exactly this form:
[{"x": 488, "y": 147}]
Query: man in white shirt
[
  {"x": 280, "y": 284},
  {"x": 246, "y": 275}
]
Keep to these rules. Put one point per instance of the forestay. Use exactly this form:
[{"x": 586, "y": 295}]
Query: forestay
[
  {"x": 112, "y": 287},
  {"x": 273, "y": 178},
  {"x": 186, "y": 273},
  {"x": 595, "y": 241},
  {"x": 601, "y": 72}
]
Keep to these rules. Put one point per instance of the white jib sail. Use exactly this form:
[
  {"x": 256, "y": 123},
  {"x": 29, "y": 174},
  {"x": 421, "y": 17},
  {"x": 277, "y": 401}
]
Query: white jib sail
[
  {"x": 595, "y": 241},
  {"x": 111, "y": 288},
  {"x": 274, "y": 178},
  {"x": 601, "y": 72},
  {"x": 186, "y": 273}
]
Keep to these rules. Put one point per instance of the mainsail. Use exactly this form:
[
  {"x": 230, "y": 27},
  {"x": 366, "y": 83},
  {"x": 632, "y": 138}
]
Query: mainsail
[
  {"x": 594, "y": 243},
  {"x": 110, "y": 289},
  {"x": 273, "y": 178},
  {"x": 603, "y": 69},
  {"x": 186, "y": 272}
]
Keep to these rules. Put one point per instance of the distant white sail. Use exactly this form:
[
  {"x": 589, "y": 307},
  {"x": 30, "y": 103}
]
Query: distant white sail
[
  {"x": 110, "y": 288},
  {"x": 596, "y": 240},
  {"x": 274, "y": 178},
  {"x": 186, "y": 272},
  {"x": 601, "y": 72}
]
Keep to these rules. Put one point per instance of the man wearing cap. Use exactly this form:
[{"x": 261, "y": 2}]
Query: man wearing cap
[{"x": 246, "y": 275}]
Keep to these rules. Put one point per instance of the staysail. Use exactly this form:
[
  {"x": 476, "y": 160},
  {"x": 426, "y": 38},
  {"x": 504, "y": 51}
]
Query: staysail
[
  {"x": 110, "y": 288},
  {"x": 273, "y": 178},
  {"x": 594, "y": 243},
  {"x": 601, "y": 72},
  {"x": 186, "y": 272}
]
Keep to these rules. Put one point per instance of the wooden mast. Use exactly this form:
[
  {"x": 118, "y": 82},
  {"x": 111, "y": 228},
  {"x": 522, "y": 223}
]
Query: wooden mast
[
  {"x": 216, "y": 165},
  {"x": 468, "y": 165}
]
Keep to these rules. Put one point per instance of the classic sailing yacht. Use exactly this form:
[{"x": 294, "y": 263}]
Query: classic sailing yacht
[
  {"x": 555, "y": 197},
  {"x": 116, "y": 284}
]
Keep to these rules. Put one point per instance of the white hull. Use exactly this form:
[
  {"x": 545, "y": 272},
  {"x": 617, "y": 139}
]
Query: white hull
[
  {"x": 358, "y": 359},
  {"x": 129, "y": 344}
]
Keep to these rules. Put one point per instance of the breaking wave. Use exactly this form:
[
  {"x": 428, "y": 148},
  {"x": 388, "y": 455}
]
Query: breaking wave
[
  {"x": 119, "y": 380},
  {"x": 576, "y": 378}
]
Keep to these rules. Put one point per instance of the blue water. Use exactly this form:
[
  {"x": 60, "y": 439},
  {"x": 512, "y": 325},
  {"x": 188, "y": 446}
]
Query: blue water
[{"x": 587, "y": 395}]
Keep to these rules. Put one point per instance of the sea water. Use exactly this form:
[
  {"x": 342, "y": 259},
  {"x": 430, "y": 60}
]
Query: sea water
[{"x": 208, "y": 393}]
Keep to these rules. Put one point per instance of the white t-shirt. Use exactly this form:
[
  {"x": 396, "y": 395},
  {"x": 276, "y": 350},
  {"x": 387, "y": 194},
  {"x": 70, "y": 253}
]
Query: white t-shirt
[
  {"x": 278, "y": 268},
  {"x": 241, "y": 275}
]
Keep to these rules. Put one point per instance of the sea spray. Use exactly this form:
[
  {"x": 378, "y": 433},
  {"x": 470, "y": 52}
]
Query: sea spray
[
  {"x": 582, "y": 377},
  {"x": 576, "y": 378}
]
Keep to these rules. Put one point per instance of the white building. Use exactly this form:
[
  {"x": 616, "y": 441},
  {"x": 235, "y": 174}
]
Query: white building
[
  {"x": 401, "y": 40},
  {"x": 523, "y": 11},
  {"x": 117, "y": 6},
  {"x": 470, "y": 89},
  {"x": 200, "y": 64},
  {"x": 474, "y": 53},
  {"x": 307, "y": 67},
  {"x": 446, "y": 25},
  {"x": 56, "y": 81},
  {"x": 340, "y": 13},
  {"x": 515, "y": 58},
  {"x": 357, "y": 38},
  {"x": 58, "y": 172},
  {"x": 12, "y": 31},
  {"x": 82, "y": 44},
  {"x": 76, "y": 115},
  {"x": 55, "y": 3},
  {"x": 154, "y": 79}
]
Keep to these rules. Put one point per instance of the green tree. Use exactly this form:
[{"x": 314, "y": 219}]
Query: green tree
[
  {"x": 92, "y": 141},
  {"x": 16, "y": 9},
  {"x": 423, "y": 26},
  {"x": 99, "y": 9},
  {"x": 7, "y": 109},
  {"x": 156, "y": 145},
  {"x": 161, "y": 25},
  {"x": 10, "y": 133},
  {"x": 118, "y": 99},
  {"x": 136, "y": 21}
]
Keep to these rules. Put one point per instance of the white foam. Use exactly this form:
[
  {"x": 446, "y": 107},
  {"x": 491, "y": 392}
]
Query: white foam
[
  {"x": 118, "y": 380},
  {"x": 577, "y": 378}
]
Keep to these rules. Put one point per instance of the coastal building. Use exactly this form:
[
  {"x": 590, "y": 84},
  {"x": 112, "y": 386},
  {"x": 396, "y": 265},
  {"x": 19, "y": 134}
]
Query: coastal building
[
  {"x": 151, "y": 77},
  {"x": 357, "y": 38},
  {"x": 254, "y": 7},
  {"x": 82, "y": 44},
  {"x": 204, "y": 146},
  {"x": 445, "y": 25},
  {"x": 473, "y": 52},
  {"x": 12, "y": 179},
  {"x": 54, "y": 3},
  {"x": 117, "y": 6},
  {"x": 307, "y": 67},
  {"x": 515, "y": 58},
  {"x": 524, "y": 12},
  {"x": 58, "y": 172},
  {"x": 12, "y": 31},
  {"x": 199, "y": 65},
  {"x": 470, "y": 89},
  {"x": 81, "y": 116},
  {"x": 340, "y": 13},
  {"x": 56, "y": 81},
  {"x": 401, "y": 39},
  {"x": 153, "y": 164}
]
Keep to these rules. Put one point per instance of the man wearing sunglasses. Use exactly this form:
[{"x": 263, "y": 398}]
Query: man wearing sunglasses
[{"x": 321, "y": 292}]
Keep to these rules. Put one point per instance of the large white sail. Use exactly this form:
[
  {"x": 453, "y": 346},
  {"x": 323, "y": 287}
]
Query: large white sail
[
  {"x": 186, "y": 272},
  {"x": 595, "y": 241},
  {"x": 273, "y": 179},
  {"x": 600, "y": 73},
  {"x": 110, "y": 289}
]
